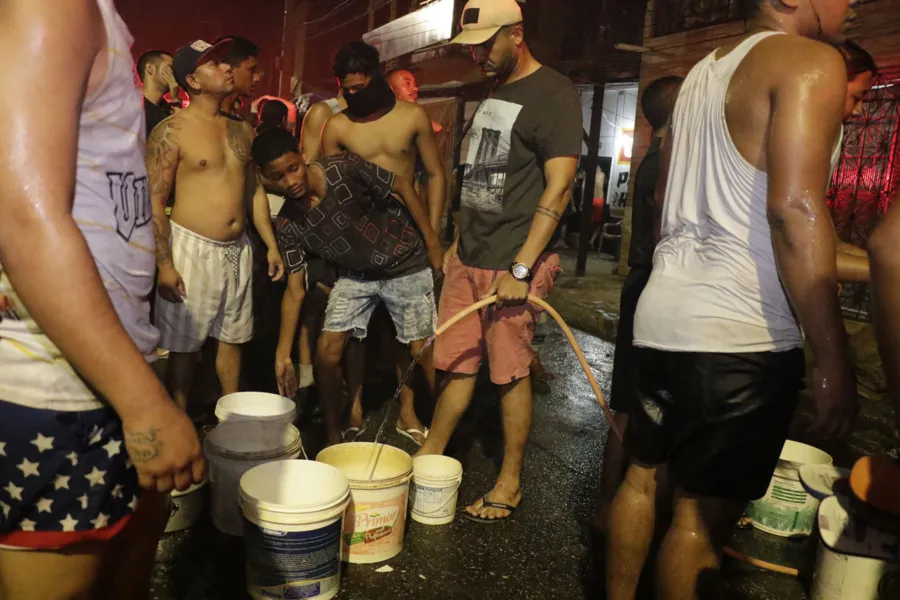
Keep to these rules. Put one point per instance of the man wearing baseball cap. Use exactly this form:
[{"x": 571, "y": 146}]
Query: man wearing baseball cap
[
  {"x": 203, "y": 255},
  {"x": 520, "y": 168}
]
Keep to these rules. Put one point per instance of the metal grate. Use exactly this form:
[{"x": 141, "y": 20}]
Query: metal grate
[
  {"x": 867, "y": 176},
  {"x": 675, "y": 16}
]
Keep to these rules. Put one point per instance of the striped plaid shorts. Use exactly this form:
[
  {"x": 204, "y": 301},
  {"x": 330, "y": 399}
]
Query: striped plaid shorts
[{"x": 218, "y": 279}]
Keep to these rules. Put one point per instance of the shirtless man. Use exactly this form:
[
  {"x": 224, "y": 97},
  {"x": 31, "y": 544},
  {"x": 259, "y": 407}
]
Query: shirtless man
[
  {"x": 242, "y": 56},
  {"x": 203, "y": 255},
  {"x": 744, "y": 267},
  {"x": 406, "y": 88},
  {"x": 314, "y": 124},
  {"x": 392, "y": 134},
  {"x": 83, "y": 418}
]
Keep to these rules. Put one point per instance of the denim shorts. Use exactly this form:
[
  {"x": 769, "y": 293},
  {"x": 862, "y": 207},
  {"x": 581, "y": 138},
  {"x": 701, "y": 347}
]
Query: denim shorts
[{"x": 408, "y": 299}]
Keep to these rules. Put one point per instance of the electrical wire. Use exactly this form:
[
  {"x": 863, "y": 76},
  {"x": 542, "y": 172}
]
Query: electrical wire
[{"x": 332, "y": 12}]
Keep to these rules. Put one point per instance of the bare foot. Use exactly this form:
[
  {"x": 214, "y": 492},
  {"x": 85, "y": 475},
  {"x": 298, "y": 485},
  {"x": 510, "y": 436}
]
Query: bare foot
[{"x": 508, "y": 494}]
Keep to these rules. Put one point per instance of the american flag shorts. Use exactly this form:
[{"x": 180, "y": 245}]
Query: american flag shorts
[{"x": 65, "y": 477}]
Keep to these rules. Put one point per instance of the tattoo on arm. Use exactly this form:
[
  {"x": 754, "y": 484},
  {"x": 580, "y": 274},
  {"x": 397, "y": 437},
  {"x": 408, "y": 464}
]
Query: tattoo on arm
[
  {"x": 143, "y": 446},
  {"x": 239, "y": 140},
  {"x": 162, "y": 165},
  {"x": 549, "y": 212},
  {"x": 163, "y": 249}
]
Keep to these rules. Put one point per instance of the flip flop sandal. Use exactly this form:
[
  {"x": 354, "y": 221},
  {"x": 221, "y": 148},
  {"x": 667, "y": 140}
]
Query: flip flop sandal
[
  {"x": 485, "y": 503},
  {"x": 352, "y": 433},
  {"x": 411, "y": 434}
]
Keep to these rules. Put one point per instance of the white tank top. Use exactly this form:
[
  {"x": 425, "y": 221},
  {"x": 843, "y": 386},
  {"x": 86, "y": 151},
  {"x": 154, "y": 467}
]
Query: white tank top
[
  {"x": 112, "y": 209},
  {"x": 714, "y": 286}
]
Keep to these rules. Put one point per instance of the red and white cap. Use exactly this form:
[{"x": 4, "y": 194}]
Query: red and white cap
[{"x": 482, "y": 19}]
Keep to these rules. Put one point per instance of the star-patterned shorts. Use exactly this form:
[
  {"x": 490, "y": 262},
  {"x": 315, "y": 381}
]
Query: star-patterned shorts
[{"x": 65, "y": 477}]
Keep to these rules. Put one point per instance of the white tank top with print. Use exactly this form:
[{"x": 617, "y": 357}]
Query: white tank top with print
[{"x": 112, "y": 210}]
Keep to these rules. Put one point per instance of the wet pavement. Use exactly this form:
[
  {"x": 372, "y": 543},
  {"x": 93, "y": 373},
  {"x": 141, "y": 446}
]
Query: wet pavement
[{"x": 546, "y": 551}]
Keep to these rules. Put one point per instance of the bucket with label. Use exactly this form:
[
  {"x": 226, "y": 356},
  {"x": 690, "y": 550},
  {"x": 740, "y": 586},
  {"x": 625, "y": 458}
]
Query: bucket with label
[
  {"x": 186, "y": 508},
  {"x": 293, "y": 518},
  {"x": 256, "y": 406},
  {"x": 856, "y": 561},
  {"x": 376, "y": 519},
  {"x": 434, "y": 489},
  {"x": 232, "y": 449},
  {"x": 787, "y": 510}
]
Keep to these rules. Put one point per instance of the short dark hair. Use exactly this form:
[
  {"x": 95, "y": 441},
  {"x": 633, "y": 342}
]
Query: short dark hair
[
  {"x": 272, "y": 144},
  {"x": 241, "y": 50},
  {"x": 858, "y": 60},
  {"x": 272, "y": 114},
  {"x": 658, "y": 101},
  {"x": 150, "y": 57},
  {"x": 356, "y": 57}
]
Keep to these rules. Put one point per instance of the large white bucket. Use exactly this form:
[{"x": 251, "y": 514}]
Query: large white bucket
[
  {"x": 787, "y": 510},
  {"x": 376, "y": 519},
  {"x": 293, "y": 518},
  {"x": 232, "y": 449},
  {"x": 434, "y": 489},
  {"x": 855, "y": 560},
  {"x": 256, "y": 406}
]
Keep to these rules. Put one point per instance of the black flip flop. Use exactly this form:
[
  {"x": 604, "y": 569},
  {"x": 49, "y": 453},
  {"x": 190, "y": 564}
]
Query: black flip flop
[{"x": 488, "y": 504}]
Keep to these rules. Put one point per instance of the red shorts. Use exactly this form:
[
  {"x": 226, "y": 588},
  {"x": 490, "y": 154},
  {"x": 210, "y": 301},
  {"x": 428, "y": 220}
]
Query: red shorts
[
  {"x": 506, "y": 333},
  {"x": 597, "y": 210}
]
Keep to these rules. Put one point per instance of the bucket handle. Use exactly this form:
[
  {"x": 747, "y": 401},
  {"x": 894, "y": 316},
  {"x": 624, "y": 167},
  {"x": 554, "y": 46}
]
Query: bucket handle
[{"x": 452, "y": 497}]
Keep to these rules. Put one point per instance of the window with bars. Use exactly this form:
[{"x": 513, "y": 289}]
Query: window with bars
[
  {"x": 867, "y": 175},
  {"x": 675, "y": 16}
]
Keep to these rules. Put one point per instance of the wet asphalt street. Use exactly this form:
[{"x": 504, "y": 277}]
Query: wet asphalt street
[{"x": 546, "y": 551}]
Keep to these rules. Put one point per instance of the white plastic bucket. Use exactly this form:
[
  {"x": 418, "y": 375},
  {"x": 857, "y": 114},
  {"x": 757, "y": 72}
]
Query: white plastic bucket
[
  {"x": 855, "y": 561},
  {"x": 434, "y": 489},
  {"x": 256, "y": 406},
  {"x": 376, "y": 519},
  {"x": 232, "y": 449},
  {"x": 787, "y": 510},
  {"x": 293, "y": 518},
  {"x": 186, "y": 508}
]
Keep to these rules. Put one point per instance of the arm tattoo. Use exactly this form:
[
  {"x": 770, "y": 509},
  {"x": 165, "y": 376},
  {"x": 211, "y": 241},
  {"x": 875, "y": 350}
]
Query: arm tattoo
[
  {"x": 162, "y": 157},
  {"x": 549, "y": 212},
  {"x": 239, "y": 140},
  {"x": 143, "y": 446},
  {"x": 163, "y": 250}
]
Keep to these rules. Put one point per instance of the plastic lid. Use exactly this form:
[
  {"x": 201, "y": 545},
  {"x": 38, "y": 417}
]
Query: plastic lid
[
  {"x": 294, "y": 486},
  {"x": 846, "y": 533},
  {"x": 819, "y": 480}
]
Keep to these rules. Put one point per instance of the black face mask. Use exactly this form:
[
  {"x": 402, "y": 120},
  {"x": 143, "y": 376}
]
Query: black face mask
[{"x": 376, "y": 96}]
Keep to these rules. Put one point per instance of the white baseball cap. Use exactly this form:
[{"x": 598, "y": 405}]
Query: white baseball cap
[{"x": 482, "y": 19}]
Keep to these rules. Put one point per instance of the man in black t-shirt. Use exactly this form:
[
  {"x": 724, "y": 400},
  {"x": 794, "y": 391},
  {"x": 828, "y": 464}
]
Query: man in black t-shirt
[
  {"x": 373, "y": 227},
  {"x": 519, "y": 172},
  {"x": 657, "y": 104},
  {"x": 154, "y": 67}
]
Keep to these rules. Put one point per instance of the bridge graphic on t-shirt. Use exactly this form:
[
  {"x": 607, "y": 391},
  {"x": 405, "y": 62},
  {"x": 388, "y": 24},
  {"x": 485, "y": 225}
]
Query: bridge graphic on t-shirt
[{"x": 489, "y": 141}]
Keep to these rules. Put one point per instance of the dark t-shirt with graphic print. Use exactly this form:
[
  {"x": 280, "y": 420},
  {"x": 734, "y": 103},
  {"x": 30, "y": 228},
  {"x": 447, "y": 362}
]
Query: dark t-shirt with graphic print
[
  {"x": 358, "y": 226},
  {"x": 523, "y": 125}
]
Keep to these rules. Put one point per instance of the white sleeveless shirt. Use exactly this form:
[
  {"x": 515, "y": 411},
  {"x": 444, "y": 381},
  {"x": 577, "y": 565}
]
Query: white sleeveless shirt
[
  {"x": 715, "y": 286},
  {"x": 112, "y": 210}
]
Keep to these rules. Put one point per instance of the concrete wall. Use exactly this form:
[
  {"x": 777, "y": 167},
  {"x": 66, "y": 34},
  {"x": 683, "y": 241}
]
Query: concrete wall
[{"x": 876, "y": 29}]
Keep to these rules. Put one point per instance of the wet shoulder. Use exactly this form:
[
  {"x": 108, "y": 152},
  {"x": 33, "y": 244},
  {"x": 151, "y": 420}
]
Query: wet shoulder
[{"x": 794, "y": 54}]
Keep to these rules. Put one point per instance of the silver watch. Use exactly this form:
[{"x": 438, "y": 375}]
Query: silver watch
[{"x": 520, "y": 272}]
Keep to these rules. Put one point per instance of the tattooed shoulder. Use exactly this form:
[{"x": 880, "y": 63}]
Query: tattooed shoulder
[{"x": 239, "y": 140}]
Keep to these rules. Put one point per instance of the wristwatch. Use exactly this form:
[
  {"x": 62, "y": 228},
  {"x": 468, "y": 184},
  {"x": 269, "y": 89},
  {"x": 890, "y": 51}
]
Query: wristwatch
[{"x": 520, "y": 272}]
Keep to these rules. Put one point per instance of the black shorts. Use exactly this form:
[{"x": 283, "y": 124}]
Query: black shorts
[
  {"x": 624, "y": 376},
  {"x": 719, "y": 421}
]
